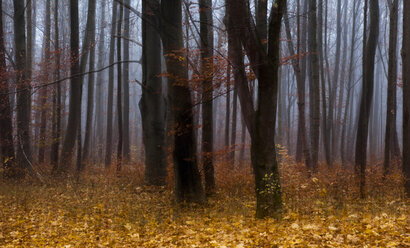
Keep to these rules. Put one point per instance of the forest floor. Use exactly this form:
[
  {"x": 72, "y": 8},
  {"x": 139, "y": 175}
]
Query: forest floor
[{"x": 102, "y": 210}]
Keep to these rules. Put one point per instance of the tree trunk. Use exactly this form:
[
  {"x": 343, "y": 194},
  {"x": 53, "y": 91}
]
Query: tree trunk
[
  {"x": 314, "y": 86},
  {"x": 6, "y": 135},
  {"x": 233, "y": 133},
  {"x": 228, "y": 105},
  {"x": 56, "y": 136},
  {"x": 100, "y": 92},
  {"x": 91, "y": 78},
  {"x": 301, "y": 97},
  {"x": 126, "y": 90},
  {"x": 367, "y": 95},
  {"x": 23, "y": 88},
  {"x": 207, "y": 67},
  {"x": 75, "y": 92},
  {"x": 350, "y": 85},
  {"x": 406, "y": 96},
  {"x": 43, "y": 91},
  {"x": 188, "y": 186},
  {"x": 260, "y": 123},
  {"x": 391, "y": 88},
  {"x": 110, "y": 101},
  {"x": 152, "y": 103},
  {"x": 119, "y": 90},
  {"x": 302, "y": 33}
]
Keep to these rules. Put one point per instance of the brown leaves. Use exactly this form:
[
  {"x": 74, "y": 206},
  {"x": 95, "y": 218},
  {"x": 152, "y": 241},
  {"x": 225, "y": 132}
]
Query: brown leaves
[{"x": 107, "y": 212}]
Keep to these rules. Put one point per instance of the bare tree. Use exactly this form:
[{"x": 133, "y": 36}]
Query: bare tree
[
  {"x": 260, "y": 122},
  {"x": 367, "y": 94},
  {"x": 110, "y": 102},
  {"x": 207, "y": 67},
  {"x": 6, "y": 137},
  {"x": 23, "y": 87},
  {"x": 75, "y": 92},
  {"x": 188, "y": 186},
  {"x": 152, "y": 104},
  {"x": 406, "y": 96}
]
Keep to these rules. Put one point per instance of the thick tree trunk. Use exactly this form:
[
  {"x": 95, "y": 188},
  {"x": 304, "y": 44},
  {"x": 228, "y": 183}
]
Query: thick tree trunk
[
  {"x": 405, "y": 52},
  {"x": 6, "y": 134},
  {"x": 367, "y": 95},
  {"x": 75, "y": 92},
  {"x": 188, "y": 186},
  {"x": 152, "y": 103},
  {"x": 207, "y": 67},
  {"x": 260, "y": 123}
]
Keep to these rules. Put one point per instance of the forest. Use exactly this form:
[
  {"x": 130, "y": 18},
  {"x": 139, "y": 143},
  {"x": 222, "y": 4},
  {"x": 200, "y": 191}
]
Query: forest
[{"x": 204, "y": 123}]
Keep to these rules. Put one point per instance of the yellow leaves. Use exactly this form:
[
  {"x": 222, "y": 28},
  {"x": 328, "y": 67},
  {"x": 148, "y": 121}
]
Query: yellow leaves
[
  {"x": 140, "y": 216},
  {"x": 128, "y": 226}
]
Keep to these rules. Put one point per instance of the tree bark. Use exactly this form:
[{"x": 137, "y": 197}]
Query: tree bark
[
  {"x": 207, "y": 70},
  {"x": 119, "y": 91},
  {"x": 391, "y": 88},
  {"x": 100, "y": 92},
  {"x": 314, "y": 86},
  {"x": 152, "y": 104},
  {"x": 56, "y": 136},
  {"x": 367, "y": 95},
  {"x": 90, "y": 46},
  {"x": 75, "y": 92},
  {"x": 260, "y": 123},
  {"x": 126, "y": 90},
  {"x": 406, "y": 96},
  {"x": 23, "y": 88},
  {"x": 188, "y": 186},
  {"x": 110, "y": 101},
  {"x": 301, "y": 97},
  {"x": 43, "y": 91},
  {"x": 6, "y": 135}
]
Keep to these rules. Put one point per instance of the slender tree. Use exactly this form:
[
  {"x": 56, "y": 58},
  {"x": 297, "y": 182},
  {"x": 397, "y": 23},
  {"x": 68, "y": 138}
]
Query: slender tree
[
  {"x": 126, "y": 88},
  {"x": 75, "y": 92},
  {"x": 90, "y": 30},
  {"x": 314, "y": 96},
  {"x": 44, "y": 90},
  {"x": 119, "y": 90},
  {"x": 207, "y": 67},
  {"x": 110, "y": 101},
  {"x": 6, "y": 137},
  {"x": 391, "y": 133},
  {"x": 55, "y": 144},
  {"x": 23, "y": 87},
  {"x": 406, "y": 96}
]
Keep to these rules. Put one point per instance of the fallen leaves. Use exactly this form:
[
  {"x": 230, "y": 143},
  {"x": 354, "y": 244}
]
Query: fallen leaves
[{"x": 128, "y": 215}]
